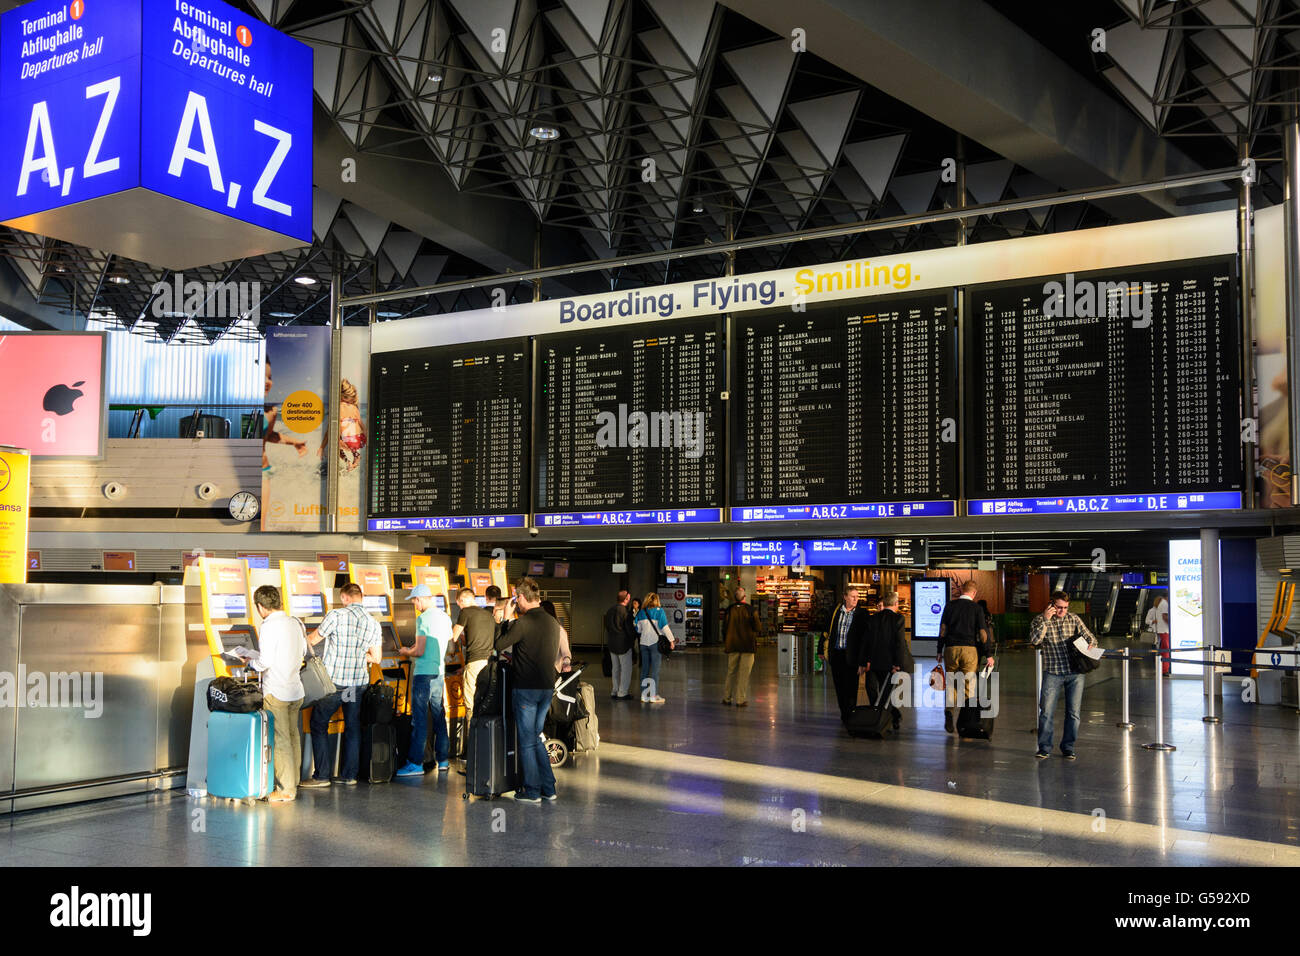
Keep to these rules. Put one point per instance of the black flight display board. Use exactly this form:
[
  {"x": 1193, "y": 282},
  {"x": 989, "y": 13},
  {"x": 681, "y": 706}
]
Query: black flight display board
[
  {"x": 847, "y": 410},
  {"x": 630, "y": 425},
  {"x": 449, "y": 446},
  {"x": 1114, "y": 391}
]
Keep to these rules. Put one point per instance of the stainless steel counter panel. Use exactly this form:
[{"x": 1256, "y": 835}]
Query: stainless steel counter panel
[{"x": 146, "y": 641}]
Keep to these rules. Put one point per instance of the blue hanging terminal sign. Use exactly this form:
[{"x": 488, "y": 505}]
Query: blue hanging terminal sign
[
  {"x": 823, "y": 552},
  {"x": 1101, "y": 504},
  {"x": 174, "y": 132}
]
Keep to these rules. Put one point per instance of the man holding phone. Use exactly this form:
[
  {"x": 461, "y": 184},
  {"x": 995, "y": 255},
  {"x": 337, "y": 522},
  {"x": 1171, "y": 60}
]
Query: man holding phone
[{"x": 1054, "y": 631}]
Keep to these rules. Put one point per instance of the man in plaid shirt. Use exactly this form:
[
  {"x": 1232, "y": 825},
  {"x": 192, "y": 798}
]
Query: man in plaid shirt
[
  {"x": 353, "y": 641},
  {"x": 1054, "y": 631}
]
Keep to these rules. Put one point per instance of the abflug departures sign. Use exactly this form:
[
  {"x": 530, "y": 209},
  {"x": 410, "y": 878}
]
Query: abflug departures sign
[{"x": 196, "y": 101}]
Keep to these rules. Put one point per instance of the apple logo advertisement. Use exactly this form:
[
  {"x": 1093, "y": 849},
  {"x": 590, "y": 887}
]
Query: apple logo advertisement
[
  {"x": 60, "y": 398},
  {"x": 54, "y": 401}
]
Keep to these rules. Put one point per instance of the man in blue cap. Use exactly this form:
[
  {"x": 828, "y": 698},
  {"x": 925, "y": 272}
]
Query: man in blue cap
[{"x": 432, "y": 634}]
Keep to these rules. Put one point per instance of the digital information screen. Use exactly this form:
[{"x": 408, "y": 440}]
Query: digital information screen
[
  {"x": 847, "y": 411},
  {"x": 375, "y": 603},
  {"x": 1116, "y": 391},
  {"x": 308, "y": 605},
  {"x": 929, "y": 597},
  {"x": 449, "y": 427},
  {"x": 630, "y": 425}
]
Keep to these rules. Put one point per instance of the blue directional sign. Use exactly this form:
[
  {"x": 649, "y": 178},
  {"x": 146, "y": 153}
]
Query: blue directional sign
[
  {"x": 1101, "y": 504},
  {"x": 846, "y": 552},
  {"x": 573, "y": 519},
  {"x": 458, "y": 523},
  {"x": 884, "y": 509},
  {"x": 195, "y": 101}
]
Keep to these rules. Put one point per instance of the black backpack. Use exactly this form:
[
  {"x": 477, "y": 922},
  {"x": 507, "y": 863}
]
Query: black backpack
[{"x": 234, "y": 696}]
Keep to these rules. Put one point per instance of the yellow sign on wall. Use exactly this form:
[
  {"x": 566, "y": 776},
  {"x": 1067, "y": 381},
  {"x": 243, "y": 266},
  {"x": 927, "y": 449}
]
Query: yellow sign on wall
[{"x": 14, "y": 512}]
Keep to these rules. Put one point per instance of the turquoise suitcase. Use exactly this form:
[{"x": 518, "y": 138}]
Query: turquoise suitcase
[{"x": 241, "y": 763}]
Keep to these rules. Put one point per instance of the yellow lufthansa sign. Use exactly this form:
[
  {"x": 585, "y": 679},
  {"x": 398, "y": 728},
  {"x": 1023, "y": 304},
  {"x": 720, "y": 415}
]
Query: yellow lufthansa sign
[{"x": 14, "y": 491}]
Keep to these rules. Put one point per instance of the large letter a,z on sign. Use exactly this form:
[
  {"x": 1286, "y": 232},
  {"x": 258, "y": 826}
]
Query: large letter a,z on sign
[{"x": 180, "y": 130}]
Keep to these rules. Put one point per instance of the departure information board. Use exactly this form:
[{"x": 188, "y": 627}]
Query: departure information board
[
  {"x": 1106, "y": 392},
  {"x": 449, "y": 437},
  {"x": 630, "y": 425},
  {"x": 846, "y": 411}
]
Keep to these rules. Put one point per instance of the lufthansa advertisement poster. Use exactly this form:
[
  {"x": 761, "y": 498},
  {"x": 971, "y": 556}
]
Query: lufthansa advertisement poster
[{"x": 14, "y": 491}]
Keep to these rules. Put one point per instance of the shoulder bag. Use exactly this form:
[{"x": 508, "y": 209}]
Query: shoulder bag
[
  {"x": 665, "y": 645},
  {"x": 316, "y": 683}
]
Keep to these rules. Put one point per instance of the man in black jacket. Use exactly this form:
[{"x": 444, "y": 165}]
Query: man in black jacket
[
  {"x": 534, "y": 642},
  {"x": 841, "y": 653},
  {"x": 963, "y": 641},
  {"x": 620, "y": 638},
  {"x": 883, "y": 650}
]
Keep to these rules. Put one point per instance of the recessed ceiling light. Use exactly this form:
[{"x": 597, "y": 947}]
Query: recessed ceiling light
[
  {"x": 544, "y": 133},
  {"x": 281, "y": 315},
  {"x": 174, "y": 315},
  {"x": 119, "y": 280},
  {"x": 390, "y": 315},
  {"x": 435, "y": 76},
  {"x": 698, "y": 207},
  {"x": 304, "y": 280}
]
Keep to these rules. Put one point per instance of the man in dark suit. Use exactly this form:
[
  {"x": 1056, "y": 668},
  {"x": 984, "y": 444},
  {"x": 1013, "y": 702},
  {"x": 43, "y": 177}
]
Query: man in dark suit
[
  {"x": 882, "y": 650},
  {"x": 842, "y": 654}
]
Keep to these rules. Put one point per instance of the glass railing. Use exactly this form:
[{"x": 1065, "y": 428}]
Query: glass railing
[{"x": 178, "y": 420}]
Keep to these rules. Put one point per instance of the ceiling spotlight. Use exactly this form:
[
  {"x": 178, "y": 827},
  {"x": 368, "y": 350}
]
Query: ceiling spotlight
[
  {"x": 118, "y": 280},
  {"x": 281, "y": 315},
  {"x": 390, "y": 315},
  {"x": 435, "y": 75},
  {"x": 304, "y": 280},
  {"x": 698, "y": 207},
  {"x": 544, "y": 133},
  {"x": 60, "y": 268}
]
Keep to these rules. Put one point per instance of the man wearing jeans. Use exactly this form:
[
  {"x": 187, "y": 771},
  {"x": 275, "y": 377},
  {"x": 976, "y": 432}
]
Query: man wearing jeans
[
  {"x": 1054, "y": 630},
  {"x": 352, "y": 642},
  {"x": 282, "y": 648},
  {"x": 534, "y": 643},
  {"x": 432, "y": 635}
]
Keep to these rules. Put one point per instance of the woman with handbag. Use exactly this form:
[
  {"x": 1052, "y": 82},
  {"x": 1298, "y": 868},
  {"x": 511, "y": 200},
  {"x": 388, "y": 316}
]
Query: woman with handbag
[{"x": 652, "y": 627}]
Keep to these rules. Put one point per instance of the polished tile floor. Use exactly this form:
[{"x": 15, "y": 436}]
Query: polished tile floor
[{"x": 692, "y": 782}]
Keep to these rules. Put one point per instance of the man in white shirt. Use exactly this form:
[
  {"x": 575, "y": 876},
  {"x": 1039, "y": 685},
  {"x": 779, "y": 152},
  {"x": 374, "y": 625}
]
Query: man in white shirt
[{"x": 282, "y": 641}]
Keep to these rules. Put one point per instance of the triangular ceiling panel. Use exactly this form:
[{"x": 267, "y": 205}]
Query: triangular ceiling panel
[{"x": 875, "y": 159}]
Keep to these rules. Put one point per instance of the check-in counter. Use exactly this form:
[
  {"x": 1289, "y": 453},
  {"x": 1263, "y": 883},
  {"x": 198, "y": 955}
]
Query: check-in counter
[{"x": 96, "y": 690}]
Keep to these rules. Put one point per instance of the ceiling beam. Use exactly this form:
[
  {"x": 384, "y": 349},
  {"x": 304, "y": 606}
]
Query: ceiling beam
[{"x": 965, "y": 65}]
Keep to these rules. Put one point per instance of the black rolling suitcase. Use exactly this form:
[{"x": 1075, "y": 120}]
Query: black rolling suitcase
[
  {"x": 874, "y": 721},
  {"x": 378, "y": 735},
  {"x": 491, "y": 750},
  {"x": 971, "y": 721}
]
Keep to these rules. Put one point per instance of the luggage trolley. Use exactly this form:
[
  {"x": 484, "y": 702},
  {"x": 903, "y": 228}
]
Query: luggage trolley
[{"x": 566, "y": 710}]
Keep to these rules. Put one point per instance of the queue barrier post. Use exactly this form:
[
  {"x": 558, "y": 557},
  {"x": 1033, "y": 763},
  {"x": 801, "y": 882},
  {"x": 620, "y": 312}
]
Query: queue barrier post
[
  {"x": 1159, "y": 743},
  {"x": 1038, "y": 686},
  {"x": 1211, "y": 690},
  {"x": 1124, "y": 723}
]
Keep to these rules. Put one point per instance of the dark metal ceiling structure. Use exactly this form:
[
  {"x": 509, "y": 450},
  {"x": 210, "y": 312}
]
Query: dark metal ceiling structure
[{"x": 682, "y": 122}]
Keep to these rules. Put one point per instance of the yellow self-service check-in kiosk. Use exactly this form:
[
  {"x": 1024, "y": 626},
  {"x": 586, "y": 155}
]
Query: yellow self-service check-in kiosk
[
  {"x": 228, "y": 616},
  {"x": 497, "y": 568},
  {"x": 380, "y": 604},
  {"x": 229, "y": 622},
  {"x": 302, "y": 585}
]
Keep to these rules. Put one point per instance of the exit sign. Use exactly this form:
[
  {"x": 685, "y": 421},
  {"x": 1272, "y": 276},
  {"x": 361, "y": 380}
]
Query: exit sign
[{"x": 178, "y": 133}]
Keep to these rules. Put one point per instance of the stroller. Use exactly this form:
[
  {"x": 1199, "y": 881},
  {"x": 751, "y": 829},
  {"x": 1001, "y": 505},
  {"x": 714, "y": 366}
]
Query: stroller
[{"x": 567, "y": 709}]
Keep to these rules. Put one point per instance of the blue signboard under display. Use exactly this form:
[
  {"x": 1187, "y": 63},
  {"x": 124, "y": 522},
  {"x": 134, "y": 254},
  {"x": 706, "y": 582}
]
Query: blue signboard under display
[
  {"x": 1101, "y": 504},
  {"x": 571, "y": 519},
  {"x": 885, "y": 509},
  {"x": 458, "y": 523},
  {"x": 194, "y": 101}
]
